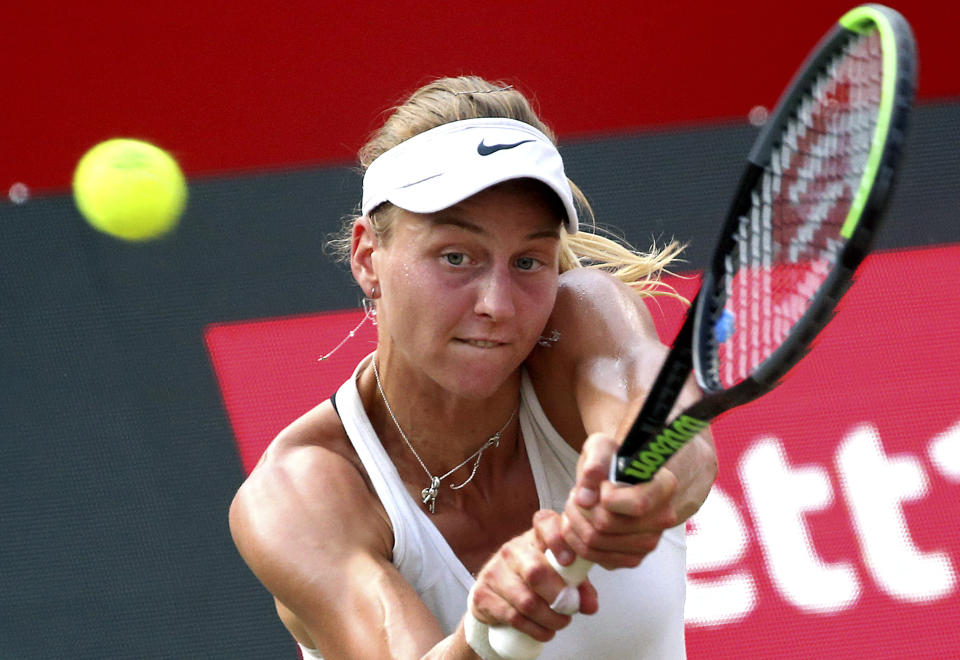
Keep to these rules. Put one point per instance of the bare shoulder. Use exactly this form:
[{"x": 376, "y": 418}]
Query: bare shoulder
[
  {"x": 593, "y": 302},
  {"x": 311, "y": 529},
  {"x": 595, "y": 315},
  {"x": 606, "y": 342},
  {"x": 305, "y": 505}
]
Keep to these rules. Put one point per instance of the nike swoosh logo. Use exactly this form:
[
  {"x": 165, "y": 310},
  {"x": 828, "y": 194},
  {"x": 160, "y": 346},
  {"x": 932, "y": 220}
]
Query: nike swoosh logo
[{"x": 487, "y": 149}]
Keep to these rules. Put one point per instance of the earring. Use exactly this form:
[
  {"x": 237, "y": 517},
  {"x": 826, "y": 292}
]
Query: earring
[
  {"x": 547, "y": 342},
  {"x": 369, "y": 314}
]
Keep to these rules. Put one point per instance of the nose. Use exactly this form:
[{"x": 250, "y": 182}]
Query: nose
[{"x": 495, "y": 295}]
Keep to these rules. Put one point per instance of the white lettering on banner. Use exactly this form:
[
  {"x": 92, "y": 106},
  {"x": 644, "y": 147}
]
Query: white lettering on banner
[
  {"x": 717, "y": 541},
  {"x": 779, "y": 496},
  {"x": 945, "y": 452},
  {"x": 876, "y": 486}
]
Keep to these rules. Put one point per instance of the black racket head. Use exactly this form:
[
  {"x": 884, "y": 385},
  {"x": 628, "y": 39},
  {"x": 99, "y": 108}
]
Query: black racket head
[{"x": 808, "y": 206}]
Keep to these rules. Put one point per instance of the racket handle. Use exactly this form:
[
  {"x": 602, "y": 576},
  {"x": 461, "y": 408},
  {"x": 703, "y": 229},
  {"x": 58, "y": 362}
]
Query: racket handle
[{"x": 511, "y": 644}]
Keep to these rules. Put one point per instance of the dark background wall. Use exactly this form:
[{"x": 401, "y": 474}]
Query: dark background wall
[{"x": 117, "y": 460}]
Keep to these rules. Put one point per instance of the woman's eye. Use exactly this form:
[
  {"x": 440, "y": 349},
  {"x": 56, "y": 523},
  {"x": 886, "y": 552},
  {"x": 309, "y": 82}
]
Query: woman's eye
[
  {"x": 455, "y": 258},
  {"x": 527, "y": 263}
]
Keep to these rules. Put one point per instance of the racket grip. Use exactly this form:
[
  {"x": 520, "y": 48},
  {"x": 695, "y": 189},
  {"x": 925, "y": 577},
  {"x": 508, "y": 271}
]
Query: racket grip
[{"x": 511, "y": 644}]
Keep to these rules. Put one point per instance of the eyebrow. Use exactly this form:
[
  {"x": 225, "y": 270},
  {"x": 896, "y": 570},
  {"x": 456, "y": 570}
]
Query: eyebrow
[{"x": 441, "y": 218}]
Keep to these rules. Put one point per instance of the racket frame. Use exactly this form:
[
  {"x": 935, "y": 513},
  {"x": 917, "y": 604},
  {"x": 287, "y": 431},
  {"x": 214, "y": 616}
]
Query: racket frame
[{"x": 649, "y": 443}]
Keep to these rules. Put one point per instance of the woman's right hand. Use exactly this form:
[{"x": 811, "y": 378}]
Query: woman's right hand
[{"x": 517, "y": 586}]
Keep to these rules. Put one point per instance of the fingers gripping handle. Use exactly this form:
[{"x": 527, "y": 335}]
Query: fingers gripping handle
[{"x": 512, "y": 644}]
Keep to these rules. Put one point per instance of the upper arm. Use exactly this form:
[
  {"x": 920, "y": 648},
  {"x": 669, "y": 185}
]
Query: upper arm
[
  {"x": 304, "y": 525},
  {"x": 597, "y": 375},
  {"x": 608, "y": 354}
]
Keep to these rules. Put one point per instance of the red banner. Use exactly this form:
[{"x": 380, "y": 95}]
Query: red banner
[{"x": 833, "y": 528}]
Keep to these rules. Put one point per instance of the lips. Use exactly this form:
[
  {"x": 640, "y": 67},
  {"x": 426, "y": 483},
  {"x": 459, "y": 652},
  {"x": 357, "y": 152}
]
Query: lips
[{"x": 483, "y": 343}]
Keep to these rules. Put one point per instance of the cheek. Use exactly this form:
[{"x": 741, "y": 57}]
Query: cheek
[
  {"x": 422, "y": 303},
  {"x": 539, "y": 303}
]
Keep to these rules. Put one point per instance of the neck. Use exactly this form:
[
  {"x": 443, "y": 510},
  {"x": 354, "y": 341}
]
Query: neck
[{"x": 441, "y": 429}]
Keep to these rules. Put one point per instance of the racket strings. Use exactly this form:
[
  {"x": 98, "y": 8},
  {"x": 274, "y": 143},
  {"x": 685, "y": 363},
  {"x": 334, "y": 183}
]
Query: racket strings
[{"x": 789, "y": 239}]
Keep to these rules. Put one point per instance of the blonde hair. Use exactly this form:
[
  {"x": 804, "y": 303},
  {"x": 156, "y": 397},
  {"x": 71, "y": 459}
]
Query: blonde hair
[{"x": 469, "y": 97}]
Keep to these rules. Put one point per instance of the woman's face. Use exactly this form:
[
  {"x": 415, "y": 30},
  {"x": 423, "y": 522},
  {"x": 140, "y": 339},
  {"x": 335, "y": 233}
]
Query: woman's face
[{"x": 466, "y": 292}]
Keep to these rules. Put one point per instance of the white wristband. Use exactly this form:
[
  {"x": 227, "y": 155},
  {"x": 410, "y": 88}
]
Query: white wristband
[{"x": 478, "y": 634}]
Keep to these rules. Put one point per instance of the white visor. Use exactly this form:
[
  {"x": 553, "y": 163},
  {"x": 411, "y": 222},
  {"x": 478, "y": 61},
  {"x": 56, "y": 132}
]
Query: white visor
[{"x": 441, "y": 167}]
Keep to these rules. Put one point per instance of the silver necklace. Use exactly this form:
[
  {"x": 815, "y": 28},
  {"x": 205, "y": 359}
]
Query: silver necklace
[{"x": 429, "y": 494}]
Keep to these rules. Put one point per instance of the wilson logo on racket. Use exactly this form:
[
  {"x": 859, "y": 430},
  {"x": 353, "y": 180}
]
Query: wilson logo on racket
[{"x": 665, "y": 445}]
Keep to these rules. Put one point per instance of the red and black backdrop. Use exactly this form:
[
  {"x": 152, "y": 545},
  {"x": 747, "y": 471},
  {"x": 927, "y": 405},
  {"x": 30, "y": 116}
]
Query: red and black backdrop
[{"x": 138, "y": 383}]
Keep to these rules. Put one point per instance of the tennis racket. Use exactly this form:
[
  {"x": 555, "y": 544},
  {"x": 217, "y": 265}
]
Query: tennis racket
[{"x": 805, "y": 214}]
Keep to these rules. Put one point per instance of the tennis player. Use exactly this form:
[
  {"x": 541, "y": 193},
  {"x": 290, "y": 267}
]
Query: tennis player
[{"x": 479, "y": 432}]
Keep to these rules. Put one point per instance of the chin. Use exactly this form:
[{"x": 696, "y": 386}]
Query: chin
[{"x": 481, "y": 375}]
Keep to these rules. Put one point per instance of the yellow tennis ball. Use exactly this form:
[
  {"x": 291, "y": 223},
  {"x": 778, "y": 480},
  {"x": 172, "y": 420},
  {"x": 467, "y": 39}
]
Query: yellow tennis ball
[{"x": 130, "y": 189}]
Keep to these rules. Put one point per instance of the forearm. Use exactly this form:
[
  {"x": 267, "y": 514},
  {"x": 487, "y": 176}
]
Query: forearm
[
  {"x": 454, "y": 647},
  {"x": 695, "y": 467}
]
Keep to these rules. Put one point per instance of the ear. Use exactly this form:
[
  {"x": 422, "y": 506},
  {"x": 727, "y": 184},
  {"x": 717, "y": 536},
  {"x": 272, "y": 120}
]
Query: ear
[{"x": 364, "y": 243}]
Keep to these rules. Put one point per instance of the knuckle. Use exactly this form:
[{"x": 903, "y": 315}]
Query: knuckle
[
  {"x": 592, "y": 537},
  {"x": 571, "y": 511},
  {"x": 481, "y": 587},
  {"x": 516, "y": 619},
  {"x": 648, "y": 543},
  {"x": 506, "y": 553},
  {"x": 671, "y": 519},
  {"x": 538, "y": 573},
  {"x": 527, "y": 604},
  {"x": 578, "y": 546},
  {"x": 670, "y": 481},
  {"x": 476, "y": 595},
  {"x": 544, "y": 517},
  {"x": 639, "y": 506},
  {"x": 603, "y": 521},
  {"x": 484, "y": 608}
]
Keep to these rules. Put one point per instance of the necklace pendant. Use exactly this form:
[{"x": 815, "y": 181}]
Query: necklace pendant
[{"x": 429, "y": 495}]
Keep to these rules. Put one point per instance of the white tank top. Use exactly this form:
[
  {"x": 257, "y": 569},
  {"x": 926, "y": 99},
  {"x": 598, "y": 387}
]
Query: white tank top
[{"x": 641, "y": 609}]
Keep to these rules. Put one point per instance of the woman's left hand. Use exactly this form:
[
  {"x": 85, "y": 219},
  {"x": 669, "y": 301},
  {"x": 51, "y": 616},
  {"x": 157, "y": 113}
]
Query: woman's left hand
[{"x": 612, "y": 525}]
